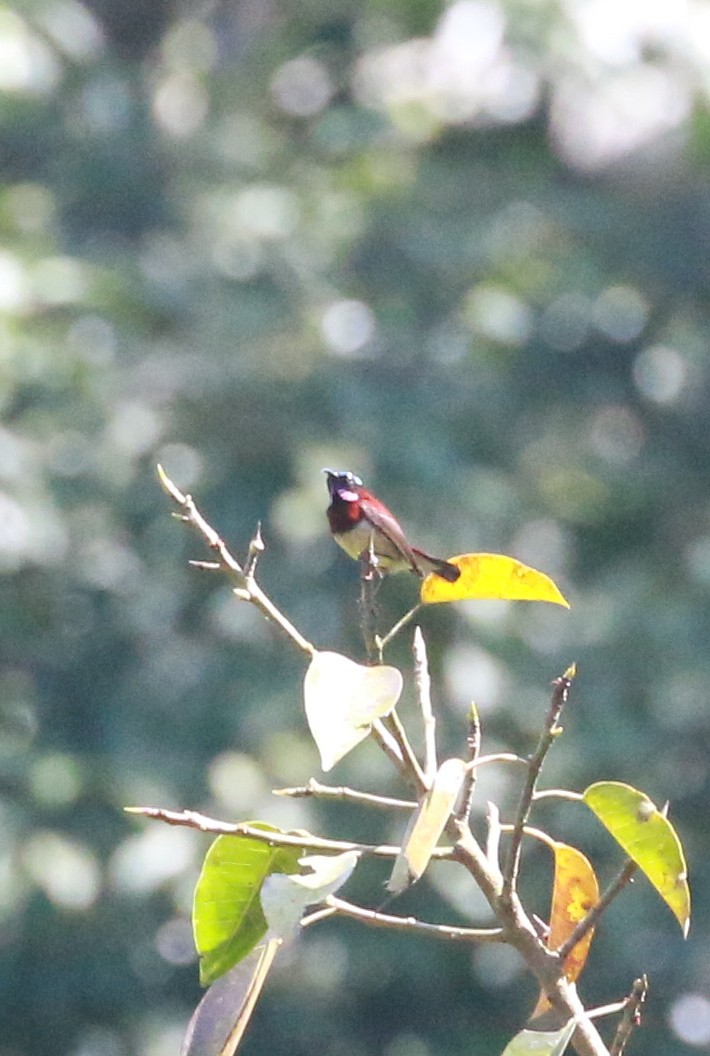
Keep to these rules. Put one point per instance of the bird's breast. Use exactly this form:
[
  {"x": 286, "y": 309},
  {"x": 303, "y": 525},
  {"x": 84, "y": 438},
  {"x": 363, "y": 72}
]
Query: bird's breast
[
  {"x": 356, "y": 536},
  {"x": 344, "y": 516}
]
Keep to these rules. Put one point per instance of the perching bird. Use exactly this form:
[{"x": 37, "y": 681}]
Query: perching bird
[{"x": 359, "y": 522}]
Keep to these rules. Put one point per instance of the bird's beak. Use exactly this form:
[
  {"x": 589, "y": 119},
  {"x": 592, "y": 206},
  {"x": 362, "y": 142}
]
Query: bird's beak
[{"x": 330, "y": 477}]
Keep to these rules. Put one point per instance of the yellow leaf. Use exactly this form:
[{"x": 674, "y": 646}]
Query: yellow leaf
[
  {"x": 491, "y": 576},
  {"x": 574, "y": 891}
]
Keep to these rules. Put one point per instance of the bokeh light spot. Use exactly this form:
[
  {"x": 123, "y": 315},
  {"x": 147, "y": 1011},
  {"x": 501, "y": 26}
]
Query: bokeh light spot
[
  {"x": 67, "y": 871},
  {"x": 660, "y": 373},
  {"x": 348, "y": 326},
  {"x": 690, "y": 1019},
  {"x": 302, "y": 86}
]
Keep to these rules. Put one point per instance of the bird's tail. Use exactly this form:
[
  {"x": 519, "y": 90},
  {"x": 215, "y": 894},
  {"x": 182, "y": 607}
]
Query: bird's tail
[{"x": 426, "y": 563}]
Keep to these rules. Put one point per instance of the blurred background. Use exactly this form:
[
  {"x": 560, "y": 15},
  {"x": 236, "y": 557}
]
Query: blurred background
[{"x": 460, "y": 249}]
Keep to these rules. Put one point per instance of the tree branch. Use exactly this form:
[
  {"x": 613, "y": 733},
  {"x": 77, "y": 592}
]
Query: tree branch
[
  {"x": 245, "y": 586},
  {"x": 473, "y": 747},
  {"x": 314, "y": 789},
  {"x": 631, "y": 1018},
  {"x": 442, "y": 931},
  {"x": 551, "y": 731},
  {"x": 422, "y": 682},
  {"x": 192, "y": 819}
]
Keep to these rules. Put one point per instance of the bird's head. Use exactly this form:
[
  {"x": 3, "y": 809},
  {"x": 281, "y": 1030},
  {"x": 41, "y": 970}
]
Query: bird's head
[{"x": 343, "y": 485}]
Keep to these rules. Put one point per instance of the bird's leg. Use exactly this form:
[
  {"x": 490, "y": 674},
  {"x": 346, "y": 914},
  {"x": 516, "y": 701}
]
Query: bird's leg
[{"x": 370, "y": 563}]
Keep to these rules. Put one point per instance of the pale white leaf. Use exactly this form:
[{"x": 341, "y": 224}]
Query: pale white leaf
[
  {"x": 427, "y": 825},
  {"x": 285, "y": 896},
  {"x": 343, "y": 699}
]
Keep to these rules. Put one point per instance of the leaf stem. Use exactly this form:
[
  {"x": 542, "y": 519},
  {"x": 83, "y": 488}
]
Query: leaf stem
[{"x": 394, "y": 631}]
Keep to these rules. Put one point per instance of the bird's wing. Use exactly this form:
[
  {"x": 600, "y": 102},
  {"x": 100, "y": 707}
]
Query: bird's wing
[{"x": 384, "y": 522}]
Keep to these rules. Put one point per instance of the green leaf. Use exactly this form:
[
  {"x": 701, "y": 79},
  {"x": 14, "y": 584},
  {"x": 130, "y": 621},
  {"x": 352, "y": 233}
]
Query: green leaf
[
  {"x": 227, "y": 918},
  {"x": 343, "y": 699},
  {"x": 648, "y": 838},
  {"x": 540, "y": 1042}
]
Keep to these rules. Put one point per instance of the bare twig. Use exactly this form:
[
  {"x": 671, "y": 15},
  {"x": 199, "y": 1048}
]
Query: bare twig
[
  {"x": 422, "y": 682},
  {"x": 191, "y": 819},
  {"x": 493, "y": 839},
  {"x": 412, "y": 769},
  {"x": 590, "y": 918},
  {"x": 473, "y": 747},
  {"x": 389, "y": 746},
  {"x": 245, "y": 586},
  {"x": 314, "y": 789},
  {"x": 256, "y": 549},
  {"x": 631, "y": 1018},
  {"x": 560, "y": 690},
  {"x": 394, "y": 631},
  {"x": 370, "y": 579},
  {"x": 407, "y": 763},
  {"x": 442, "y": 931}
]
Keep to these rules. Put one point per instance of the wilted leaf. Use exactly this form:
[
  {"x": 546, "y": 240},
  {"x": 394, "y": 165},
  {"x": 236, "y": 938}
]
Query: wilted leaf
[
  {"x": 648, "y": 838},
  {"x": 427, "y": 825},
  {"x": 491, "y": 576},
  {"x": 575, "y": 890},
  {"x": 343, "y": 699},
  {"x": 284, "y": 896},
  {"x": 540, "y": 1042},
  {"x": 227, "y": 918},
  {"x": 218, "y": 1023}
]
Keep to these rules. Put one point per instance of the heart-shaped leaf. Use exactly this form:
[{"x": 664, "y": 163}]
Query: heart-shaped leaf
[
  {"x": 491, "y": 576},
  {"x": 227, "y": 918},
  {"x": 343, "y": 699},
  {"x": 648, "y": 838}
]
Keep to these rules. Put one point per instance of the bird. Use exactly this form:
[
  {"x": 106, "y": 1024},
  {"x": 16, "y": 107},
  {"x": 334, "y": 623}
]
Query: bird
[{"x": 361, "y": 523}]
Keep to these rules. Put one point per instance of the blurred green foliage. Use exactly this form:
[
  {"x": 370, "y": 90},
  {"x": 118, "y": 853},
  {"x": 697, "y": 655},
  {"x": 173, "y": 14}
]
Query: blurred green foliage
[{"x": 460, "y": 249}]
